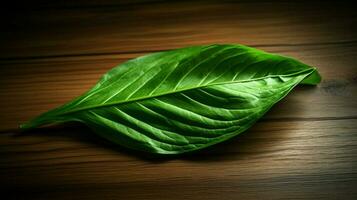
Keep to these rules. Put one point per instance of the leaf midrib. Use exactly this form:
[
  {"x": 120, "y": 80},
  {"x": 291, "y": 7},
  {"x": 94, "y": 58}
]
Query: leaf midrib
[{"x": 309, "y": 70}]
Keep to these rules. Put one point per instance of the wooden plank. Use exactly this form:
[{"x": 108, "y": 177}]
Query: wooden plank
[
  {"x": 304, "y": 148},
  {"x": 30, "y": 87},
  {"x": 299, "y": 159},
  {"x": 108, "y": 28}
]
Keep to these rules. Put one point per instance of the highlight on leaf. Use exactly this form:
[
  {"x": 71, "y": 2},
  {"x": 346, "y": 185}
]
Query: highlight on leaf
[{"x": 185, "y": 99}]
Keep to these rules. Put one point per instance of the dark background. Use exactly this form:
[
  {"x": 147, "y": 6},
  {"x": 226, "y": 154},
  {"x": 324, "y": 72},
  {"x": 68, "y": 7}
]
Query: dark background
[{"x": 51, "y": 52}]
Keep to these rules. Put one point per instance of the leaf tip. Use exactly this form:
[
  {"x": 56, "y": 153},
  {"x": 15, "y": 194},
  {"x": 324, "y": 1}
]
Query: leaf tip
[
  {"x": 313, "y": 78},
  {"x": 25, "y": 126}
]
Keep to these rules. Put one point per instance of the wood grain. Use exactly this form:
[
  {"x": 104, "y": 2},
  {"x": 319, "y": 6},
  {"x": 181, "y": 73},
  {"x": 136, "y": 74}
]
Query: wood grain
[
  {"x": 304, "y": 148},
  {"x": 272, "y": 156},
  {"x": 109, "y": 28}
]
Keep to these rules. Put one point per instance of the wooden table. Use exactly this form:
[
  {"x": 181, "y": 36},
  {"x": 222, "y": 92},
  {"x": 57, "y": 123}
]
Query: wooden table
[{"x": 305, "y": 147}]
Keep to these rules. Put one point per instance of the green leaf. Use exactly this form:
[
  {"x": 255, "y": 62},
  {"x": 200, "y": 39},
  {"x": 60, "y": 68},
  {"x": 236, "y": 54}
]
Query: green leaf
[{"x": 185, "y": 99}]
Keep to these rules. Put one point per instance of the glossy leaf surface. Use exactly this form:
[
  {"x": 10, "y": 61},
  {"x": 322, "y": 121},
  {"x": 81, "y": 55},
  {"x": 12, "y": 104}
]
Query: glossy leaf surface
[{"x": 185, "y": 99}]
